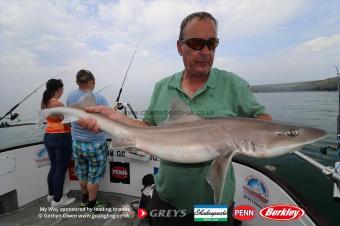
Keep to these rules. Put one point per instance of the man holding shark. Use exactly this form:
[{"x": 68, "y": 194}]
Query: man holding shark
[{"x": 205, "y": 90}]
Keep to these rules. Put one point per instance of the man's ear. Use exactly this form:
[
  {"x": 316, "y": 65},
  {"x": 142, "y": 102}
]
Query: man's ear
[{"x": 179, "y": 48}]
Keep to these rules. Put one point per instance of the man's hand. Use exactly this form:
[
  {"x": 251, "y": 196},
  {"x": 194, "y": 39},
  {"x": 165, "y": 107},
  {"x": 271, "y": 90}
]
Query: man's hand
[
  {"x": 90, "y": 123},
  {"x": 264, "y": 117},
  {"x": 106, "y": 111}
]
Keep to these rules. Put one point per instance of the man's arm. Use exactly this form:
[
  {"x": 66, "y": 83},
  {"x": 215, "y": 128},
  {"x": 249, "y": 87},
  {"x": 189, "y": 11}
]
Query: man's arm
[{"x": 91, "y": 123}]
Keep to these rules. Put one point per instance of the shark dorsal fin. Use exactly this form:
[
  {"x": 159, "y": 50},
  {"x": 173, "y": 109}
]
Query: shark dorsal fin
[
  {"x": 180, "y": 113},
  {"x": 86, "y": 101}
]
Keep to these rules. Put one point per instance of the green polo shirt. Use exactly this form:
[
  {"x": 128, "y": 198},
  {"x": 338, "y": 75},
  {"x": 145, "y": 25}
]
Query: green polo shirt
[{"x": 224, "y": 95}]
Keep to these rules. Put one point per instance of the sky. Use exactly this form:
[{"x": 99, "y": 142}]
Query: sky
[{"x": 264, "y": 42}]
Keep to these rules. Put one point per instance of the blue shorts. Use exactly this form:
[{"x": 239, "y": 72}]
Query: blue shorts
[{"x": 90, "y": 160}]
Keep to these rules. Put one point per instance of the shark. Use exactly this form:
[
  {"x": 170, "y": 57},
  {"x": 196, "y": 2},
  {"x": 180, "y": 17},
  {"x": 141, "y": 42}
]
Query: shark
[{"x": 191, "y": 139}]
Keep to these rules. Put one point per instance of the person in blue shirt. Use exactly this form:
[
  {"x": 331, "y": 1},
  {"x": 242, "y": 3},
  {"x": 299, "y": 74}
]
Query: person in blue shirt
[{"x": 89, "y": 148}]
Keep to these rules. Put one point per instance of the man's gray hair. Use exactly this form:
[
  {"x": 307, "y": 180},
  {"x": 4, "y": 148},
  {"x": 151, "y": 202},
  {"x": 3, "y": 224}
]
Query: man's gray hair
[{"x": 189, "y": 18}]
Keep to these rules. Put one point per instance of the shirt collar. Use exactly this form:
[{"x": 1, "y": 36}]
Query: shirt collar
[{"x": 175, "y": 81}]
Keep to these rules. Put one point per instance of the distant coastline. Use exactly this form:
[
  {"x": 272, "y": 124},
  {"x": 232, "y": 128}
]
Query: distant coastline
[{"x": 329, "y": 84}]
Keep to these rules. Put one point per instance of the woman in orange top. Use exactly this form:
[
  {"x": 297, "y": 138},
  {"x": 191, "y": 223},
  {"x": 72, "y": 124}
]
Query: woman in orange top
[{"x": 58, "y": 142}]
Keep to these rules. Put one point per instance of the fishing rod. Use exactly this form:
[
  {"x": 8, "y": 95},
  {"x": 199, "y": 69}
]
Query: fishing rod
[
  {"x": 335, "y": 147},
  {"x": 338, "y": 118},
  {"x": 332, "y": 173},
  {"x": 119, "y": 105},
  {"x": 13, "y": 116},
  {"x": 102, "y": 89},
  {"x": 336, "y": 189}
]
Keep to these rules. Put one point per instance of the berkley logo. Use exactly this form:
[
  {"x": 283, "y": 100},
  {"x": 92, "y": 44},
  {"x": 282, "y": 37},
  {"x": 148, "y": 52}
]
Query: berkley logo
[
  {"x": 282, "y": 212},
  {"x": 120, "y": 172}
]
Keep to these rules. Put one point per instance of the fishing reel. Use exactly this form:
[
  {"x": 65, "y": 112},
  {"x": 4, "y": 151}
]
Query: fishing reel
[
  {"x": 323, "y": 150},
  {"x": 13, "y": 116},
  {"x": 120, "y": 106},
  {"x": 336, "y": 189},
  {"x": 334, "y": 171},
  {"x": 124, "y": 108}
]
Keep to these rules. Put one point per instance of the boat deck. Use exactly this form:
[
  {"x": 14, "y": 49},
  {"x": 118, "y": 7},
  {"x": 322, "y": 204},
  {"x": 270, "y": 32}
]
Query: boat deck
[{"x": 37, "y": 213}]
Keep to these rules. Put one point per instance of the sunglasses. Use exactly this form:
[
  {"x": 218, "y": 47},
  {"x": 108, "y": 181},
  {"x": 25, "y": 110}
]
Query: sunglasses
[{"x": 199, "y": 43}]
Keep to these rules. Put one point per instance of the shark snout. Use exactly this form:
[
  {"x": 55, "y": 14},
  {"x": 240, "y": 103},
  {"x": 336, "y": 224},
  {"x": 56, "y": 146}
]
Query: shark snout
[
  {"x": 291, "y": 139},
  {"x": 310, "y": 135}
]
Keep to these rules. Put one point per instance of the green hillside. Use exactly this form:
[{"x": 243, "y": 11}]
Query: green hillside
[{"x": 329, "y": 84}]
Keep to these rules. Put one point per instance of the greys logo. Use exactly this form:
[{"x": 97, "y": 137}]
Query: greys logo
[{"x": 167, "y": 213}]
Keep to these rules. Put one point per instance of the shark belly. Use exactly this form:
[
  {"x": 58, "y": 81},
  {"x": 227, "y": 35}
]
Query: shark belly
[{"x": 185, "y": 146}]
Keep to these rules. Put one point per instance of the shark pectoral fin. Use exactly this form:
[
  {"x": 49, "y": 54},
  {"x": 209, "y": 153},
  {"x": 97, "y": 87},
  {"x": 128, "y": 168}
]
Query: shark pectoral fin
[
  {"x": 122, "y": 142},
  {"x": 217, "y": 174},
  {"x": 86, "y": 101}
]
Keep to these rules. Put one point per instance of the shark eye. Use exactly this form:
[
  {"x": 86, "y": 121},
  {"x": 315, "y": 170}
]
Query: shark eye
[{"x": 291, "y": 133}]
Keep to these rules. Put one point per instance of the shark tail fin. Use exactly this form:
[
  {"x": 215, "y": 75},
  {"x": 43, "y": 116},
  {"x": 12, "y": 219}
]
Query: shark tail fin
[
  {"x": 43, "y": 114},
  {"x": 41, "y": 119}
]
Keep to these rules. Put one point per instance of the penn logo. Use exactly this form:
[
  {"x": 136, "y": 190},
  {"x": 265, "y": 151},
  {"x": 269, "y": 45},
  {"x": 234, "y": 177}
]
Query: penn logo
[
  {"x": 244, "y": 212},
  {"x": 282, "y": 212},
  {"x": 120, "y": 172}
]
